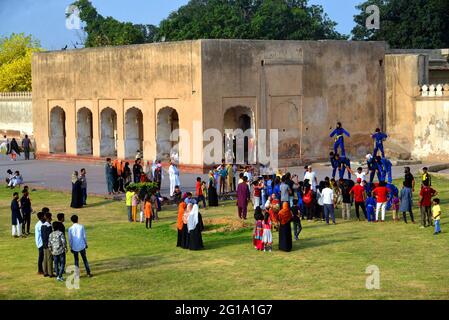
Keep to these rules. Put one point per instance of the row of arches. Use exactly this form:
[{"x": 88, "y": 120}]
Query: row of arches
[{"x": 167, "y": 122}]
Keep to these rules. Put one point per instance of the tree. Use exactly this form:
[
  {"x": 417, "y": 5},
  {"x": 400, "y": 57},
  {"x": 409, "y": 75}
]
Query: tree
[
  {"x": 248, "y": 19},
  {"x": 108, "y": 31},
  {"x": 407, "y": 24},
  {"x": 15, "y": 62}
]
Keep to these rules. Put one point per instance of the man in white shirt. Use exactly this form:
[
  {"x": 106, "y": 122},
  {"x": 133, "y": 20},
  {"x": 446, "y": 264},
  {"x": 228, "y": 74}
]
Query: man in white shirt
[
  {"x": 311, "y": 176},
  {"x": 39, "y": 243},
  {"x": 328, "y": 202},
  {"x": 78, "y": 243}
]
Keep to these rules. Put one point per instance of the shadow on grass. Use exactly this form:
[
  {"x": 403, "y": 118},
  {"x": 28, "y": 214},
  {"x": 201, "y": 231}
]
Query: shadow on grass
[
  {"x": 221, "y": 243},
  {"x": 98, "y": 204},
  {"x": 103, "y": 267},
  {"x": 308, "y": 243}
]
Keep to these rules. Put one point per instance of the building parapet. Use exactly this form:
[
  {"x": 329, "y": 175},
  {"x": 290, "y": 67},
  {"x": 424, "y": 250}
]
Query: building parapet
[
  {"x": 435, "y": 90},
  {"x": 25, "y": 95}
]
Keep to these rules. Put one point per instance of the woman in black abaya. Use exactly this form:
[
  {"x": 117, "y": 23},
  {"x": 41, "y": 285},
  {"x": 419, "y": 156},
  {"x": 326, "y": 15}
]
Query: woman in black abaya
[
  {"x": 77, "y": 193},
  {"x": 195, "y": 227}
]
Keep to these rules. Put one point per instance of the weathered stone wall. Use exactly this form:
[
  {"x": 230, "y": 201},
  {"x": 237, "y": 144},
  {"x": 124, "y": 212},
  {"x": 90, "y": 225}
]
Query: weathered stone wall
[
  {"x": 431, "y": 131},
  {"x": 404, "y": 74},
  {"x": 16, "y": 113},
  {"x": 301, "y": 88},
  {"x": 143, "y": 77}
]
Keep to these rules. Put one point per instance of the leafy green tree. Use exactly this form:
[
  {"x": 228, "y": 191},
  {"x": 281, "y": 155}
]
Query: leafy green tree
[
  {"x": 248, "y": 19},
  {"x": 15, "y": 62},
  {"x": 108, "y": 31},
  {"x": 407, "y": 24}
]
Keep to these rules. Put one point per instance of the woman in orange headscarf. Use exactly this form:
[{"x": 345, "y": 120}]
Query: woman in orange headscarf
[
  {"x": 285, "y": 229},
  {"x": 181, "y": 208}
]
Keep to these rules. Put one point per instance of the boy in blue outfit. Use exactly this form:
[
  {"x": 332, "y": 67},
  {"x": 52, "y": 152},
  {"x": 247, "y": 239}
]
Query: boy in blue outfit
[
  {"x": 339, "y": 133},
  {"x": 379, "y": 138},
  {"x": 370, "y": 207}
]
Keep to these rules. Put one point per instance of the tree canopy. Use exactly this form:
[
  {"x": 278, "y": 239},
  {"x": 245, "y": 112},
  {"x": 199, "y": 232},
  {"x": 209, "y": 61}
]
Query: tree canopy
[
  {"x": 407, "y": 24},
  {"x": 249, "y": 19},
  {"x": 15, "y": 62},
  {"x": 213, "y": 19},
  {"x": 108, "y": 31}
]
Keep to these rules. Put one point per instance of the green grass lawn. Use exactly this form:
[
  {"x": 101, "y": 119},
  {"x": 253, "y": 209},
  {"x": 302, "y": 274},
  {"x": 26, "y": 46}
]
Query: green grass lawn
[{"x": 329, "y": 262}]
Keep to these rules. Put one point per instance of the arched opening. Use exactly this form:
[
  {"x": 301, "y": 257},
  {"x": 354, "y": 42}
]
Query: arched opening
[
  {"x": 167, "y": 122},
  {"x": 239, "y": 118},
  {"x": 57, "y": 130},
  {"x": 84, "y": 132},
  {"x": 134, "y": 132},
  {"x": 108, "y": 142}
]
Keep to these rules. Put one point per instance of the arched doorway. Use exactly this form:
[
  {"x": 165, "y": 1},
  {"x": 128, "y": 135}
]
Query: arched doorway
[
  {"x": 235, "y": 118},
  {"x": 57, "y": 130},
  {"x": 84, "y": 132},
  {"x": 167, "y": 122},
  {"x": 108, "y": 142},
  {"x": 133, "y": 132}
]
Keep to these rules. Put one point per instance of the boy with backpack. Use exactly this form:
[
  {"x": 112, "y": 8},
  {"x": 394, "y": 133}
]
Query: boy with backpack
[{"x": 57, "y": 245}]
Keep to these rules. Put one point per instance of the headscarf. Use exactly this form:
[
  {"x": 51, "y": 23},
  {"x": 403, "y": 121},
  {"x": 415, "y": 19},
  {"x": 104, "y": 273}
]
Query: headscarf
[
  {"x": 74, "y": 177},
  {"x": 285, "y": 215},
  {"x": 193, "y": 218},
  {"x": 182, "y": 207},
  {"x": 185, "y": 216}
]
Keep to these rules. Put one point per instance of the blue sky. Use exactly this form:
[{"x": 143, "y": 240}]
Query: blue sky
[{"x": 45, "y": 19}]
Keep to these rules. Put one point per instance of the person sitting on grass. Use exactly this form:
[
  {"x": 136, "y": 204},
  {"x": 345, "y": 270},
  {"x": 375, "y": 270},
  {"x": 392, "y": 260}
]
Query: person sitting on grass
[
  {"x": 436, "y": 213},
  {"x": 16, "y": 180},
  {"x": 58, "y": 248},
  {"x": 78, "y": 243}
]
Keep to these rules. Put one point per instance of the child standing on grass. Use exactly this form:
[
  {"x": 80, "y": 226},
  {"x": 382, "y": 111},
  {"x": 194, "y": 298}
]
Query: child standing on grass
[
  {"x": 395, "y": 208},
  {"x": 436, "y": 214},
  {"x": 58, "y": 248},
  {"x": 297, "y": 228},
  {"x": 129, "y": 197},
  {"x": 154, "y": 206},
  {"x": 134, "y": 204},
  {"x": 258, "y": 230},
  {"x": 267, "y": 237},
  {"x": 370, "y": 207},
  {"x": 147, "y": 211}
]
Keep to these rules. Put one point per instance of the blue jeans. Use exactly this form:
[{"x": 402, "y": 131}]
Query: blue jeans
[
  {"x": 329, "y": 211},
  {"x": 59, "y": 264},
  {"x": 110, "y": 183},
  {"x": 437, "y": 226},
  {"x": 130, "y": 212},
  {"x": 84, "y": 257},
  {"x": 84, "y": 190}
]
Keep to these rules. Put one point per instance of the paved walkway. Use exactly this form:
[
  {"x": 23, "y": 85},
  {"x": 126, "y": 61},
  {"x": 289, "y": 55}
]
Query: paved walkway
[{"x": 56, "y": 174}]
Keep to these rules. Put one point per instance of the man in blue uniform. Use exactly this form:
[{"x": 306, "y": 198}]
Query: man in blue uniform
[
  {"x": 379, "y": 138},
  {"x": 386, "y": 172},
  {"x": 373, "y": 168},
  {"x": 343, "y": 164},
  {"x": 334, "y": 163},
  {"x": 339, "y": 133}
]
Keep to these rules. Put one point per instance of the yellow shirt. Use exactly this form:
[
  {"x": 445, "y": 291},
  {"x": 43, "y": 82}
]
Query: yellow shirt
[
  {"x": 129, "y": 197},
  {"x": 436, "y": 211}
]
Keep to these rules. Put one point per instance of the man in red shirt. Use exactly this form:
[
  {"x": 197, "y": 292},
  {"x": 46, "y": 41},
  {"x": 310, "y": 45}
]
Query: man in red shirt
[
  {"x": 381, "y": 193},
  {"x": 199, "y": 193},
  {"x": 425, "y": 204},
  {"x": 358, "y": 192}
]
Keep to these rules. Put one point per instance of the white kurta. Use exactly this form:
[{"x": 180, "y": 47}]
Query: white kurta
[{"x": 173, "y": 172}]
